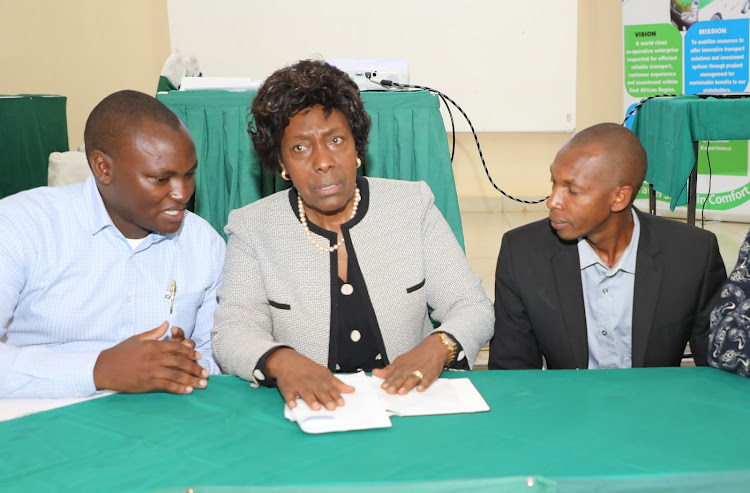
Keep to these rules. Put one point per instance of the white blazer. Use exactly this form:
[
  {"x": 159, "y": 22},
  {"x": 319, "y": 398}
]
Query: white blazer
[{"x": 277, "y": 286}]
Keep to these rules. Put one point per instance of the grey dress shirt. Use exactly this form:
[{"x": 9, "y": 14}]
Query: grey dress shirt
[{"x": 608, "y": 303}]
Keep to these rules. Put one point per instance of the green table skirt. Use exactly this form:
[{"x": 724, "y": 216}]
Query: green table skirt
[
  {"x": 31, "y": 127},
  {"x": 657, "y": 429},
  {"x": 407, "y": 142},
  {"x": 667, "y": 128}
]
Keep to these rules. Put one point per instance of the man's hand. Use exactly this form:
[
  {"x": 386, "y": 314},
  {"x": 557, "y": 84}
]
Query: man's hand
[
  {"x": 143, "y": 363},
  {"x": 428, "y": 358},
  {"x": 297, "y": 375},
  {"x": 179, "y": 335}
]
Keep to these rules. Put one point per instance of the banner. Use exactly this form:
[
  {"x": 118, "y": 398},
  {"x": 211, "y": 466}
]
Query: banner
[{"x": 693, "y": 47}]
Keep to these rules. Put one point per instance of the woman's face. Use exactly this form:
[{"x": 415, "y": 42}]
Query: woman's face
[{"x": 320, "y": 157}]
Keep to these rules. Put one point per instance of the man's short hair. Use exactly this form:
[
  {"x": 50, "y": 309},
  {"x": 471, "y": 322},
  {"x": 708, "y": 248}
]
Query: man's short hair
[
  {"x": 622, "y": 149},
  {"x": 121, "y": 114}
]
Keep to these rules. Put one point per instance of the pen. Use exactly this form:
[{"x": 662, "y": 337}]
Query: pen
[{"x": 172, "y": 295}]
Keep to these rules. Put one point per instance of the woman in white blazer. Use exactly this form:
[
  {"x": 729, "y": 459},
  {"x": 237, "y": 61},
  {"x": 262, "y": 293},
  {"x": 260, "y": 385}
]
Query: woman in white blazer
[{"x": 340, "y": 272}]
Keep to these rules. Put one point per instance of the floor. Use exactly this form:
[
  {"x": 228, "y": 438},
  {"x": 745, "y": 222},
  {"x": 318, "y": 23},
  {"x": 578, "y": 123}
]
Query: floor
[{"x": 483, "y": 232}]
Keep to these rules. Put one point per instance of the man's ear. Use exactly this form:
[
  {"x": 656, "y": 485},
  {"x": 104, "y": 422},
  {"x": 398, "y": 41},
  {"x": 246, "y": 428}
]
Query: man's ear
[
  {"x": 101, "y": 167},
  {"x": 621, "y": 198}
]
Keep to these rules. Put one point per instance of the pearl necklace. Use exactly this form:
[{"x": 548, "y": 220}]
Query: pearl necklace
[{"x": 306, "y": 228}]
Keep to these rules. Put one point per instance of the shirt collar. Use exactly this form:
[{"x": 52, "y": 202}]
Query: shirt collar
[
  {"x": 98, "y": 213},
  {"x": 100, "y": 219},
  {"x": 588, "y": 257}
]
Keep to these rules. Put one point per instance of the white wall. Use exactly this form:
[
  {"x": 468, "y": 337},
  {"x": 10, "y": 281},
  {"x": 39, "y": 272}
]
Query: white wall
[
  {"x": 81, "y": 49},
  {"x": 509, "y": 63},
  {"x": 86, "y": 50}
]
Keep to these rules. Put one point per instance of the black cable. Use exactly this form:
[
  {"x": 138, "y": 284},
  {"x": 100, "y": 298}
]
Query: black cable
[
  {"x": 390, "y": 83},
  {"x": 640, "y": 103},
  {"x": 453, "y": 127},
  {"x": 710, "y": 173}
]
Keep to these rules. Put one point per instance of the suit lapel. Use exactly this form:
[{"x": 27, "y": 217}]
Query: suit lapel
[
  {"x": 567, "y": 272},
  {"x": 647, "y": 281}
]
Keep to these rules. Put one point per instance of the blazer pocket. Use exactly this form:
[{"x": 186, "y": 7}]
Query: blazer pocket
[
  {"x": 280, "y": 306},
  {"x": 415, "y": 287}
]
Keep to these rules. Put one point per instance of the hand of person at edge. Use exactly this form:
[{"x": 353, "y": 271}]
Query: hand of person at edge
[
  {"x": 429, "y": 357},
  {"x": 143, "y": 363},
  {"x": 299, "y": 376}
]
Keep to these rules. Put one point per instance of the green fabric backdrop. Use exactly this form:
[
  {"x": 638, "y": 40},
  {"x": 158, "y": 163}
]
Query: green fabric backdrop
[
  {"x": 667, "y": 128},
  {"x": 31, "y": 127},
  {"x": 407, "y": 141}
]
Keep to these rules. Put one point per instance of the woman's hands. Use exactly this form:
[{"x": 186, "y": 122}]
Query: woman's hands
[
  {"x": 297, "y": 375},
  {"x": 419, "y": 368}
]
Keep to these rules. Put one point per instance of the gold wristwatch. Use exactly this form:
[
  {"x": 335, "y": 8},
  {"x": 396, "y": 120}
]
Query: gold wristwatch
[{"x": 451, "y": 345}]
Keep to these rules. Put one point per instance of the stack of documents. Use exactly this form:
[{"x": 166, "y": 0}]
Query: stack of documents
[{"x": 371, "y": 407}]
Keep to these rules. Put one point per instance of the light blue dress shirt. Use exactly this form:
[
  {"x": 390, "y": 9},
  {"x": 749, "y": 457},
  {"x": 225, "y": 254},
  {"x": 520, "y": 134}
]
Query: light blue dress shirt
[
  {"x": 71, "y": 286},
  {"x": 608, "y": 302}
]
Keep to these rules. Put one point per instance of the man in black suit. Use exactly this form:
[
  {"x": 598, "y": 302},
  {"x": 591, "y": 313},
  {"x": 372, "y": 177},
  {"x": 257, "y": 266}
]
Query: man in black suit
[{"x": 600, "y": 284}]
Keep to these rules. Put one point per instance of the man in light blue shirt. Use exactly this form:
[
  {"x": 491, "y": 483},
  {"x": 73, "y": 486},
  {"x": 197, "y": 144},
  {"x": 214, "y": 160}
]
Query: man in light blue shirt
[
  {"x": 608, "y": 303},
  {"x": 111, "y": 284}
]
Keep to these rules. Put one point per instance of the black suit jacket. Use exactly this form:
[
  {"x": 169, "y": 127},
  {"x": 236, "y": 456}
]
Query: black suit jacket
[{"x": 539, "y": 308}]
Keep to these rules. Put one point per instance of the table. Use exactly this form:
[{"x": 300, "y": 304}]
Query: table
[
  {"x": 669, "y": 129},
  {"x": 407, "y": 141},
  {"x": 31, "y": 127},
  {"x": 566, "y": 430}
]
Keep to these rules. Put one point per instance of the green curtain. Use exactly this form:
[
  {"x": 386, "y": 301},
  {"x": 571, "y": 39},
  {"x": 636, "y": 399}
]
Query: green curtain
[
  {"x": 165, "y": 84},
  {"x": 667, "y": 128},
  {"x": 31, "y": 127},
  {"x": 407, "y": 142}
]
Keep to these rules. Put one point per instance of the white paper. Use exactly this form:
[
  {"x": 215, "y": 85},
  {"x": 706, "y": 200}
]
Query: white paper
[
  {"x": 16, "y": 408},
  {"x": 362, "y": 410},
  {"x": 444, "y": 396},
  {"x": 370, "y": 406}
]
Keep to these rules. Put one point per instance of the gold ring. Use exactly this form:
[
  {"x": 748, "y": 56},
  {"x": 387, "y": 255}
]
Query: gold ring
[{"x": 418, "y": 374}]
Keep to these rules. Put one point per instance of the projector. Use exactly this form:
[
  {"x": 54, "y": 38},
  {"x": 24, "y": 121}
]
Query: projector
[{"x": 392, "y": 69}]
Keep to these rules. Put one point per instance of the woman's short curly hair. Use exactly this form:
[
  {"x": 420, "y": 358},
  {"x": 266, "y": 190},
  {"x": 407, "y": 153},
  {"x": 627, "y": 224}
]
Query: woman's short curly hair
[{"x": 298, "y": 87}]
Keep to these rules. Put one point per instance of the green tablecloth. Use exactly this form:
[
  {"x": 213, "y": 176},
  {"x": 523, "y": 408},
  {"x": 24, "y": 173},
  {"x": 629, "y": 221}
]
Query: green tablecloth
[
  {"x": 407, "y": 142},
  {"x": 665, "y": 429},
  {"x": 667, "y": 128},
  {"x": 31, "y": 127}
]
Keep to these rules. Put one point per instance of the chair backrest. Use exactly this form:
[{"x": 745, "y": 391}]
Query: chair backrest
[{"x": 66, "y": 168}]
